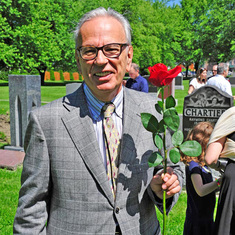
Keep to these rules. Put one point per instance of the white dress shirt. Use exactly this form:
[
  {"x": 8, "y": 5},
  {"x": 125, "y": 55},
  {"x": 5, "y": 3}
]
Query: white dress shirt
[{"x": 221, "y": 82}]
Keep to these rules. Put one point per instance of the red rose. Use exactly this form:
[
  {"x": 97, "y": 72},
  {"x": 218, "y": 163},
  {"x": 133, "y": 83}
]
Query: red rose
[{"x": 160, "y": 76}]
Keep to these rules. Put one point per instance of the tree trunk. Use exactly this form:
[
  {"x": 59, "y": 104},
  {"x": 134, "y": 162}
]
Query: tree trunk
[
  {"x": 187, "y": 66},
  {"x": 196, "y": 65},
  {"x": 42, "y": 74}
]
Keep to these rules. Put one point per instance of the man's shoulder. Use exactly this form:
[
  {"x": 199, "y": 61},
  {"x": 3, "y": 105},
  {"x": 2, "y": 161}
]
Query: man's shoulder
[{"x": 213, "y": 79}]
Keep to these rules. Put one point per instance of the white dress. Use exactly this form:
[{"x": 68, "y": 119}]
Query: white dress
[{"x": 196, "y": 84}]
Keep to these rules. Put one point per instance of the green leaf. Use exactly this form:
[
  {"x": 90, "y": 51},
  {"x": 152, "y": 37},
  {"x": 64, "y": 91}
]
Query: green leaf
[
  {"x": 155, "y": 159},
  {"x": 174, "y": 155},
  {"x": 159, "y": 106},
  {"x": 161, "y": 126},
  {"x": 158, "y": 141},
  {"x": 170, "y": 102},
  {"x": 171, "y": 119},
  {"x": 177, "y": 138},
  {"x": 149, "y": 122},
  {"x": 191, "y": 148}
]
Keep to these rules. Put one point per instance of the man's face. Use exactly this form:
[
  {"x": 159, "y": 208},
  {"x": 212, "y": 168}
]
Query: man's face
[
  {"x": 104, "y": 75},
  {"x": 133, "y": 73},
  {"x": 214, "y": 70}
]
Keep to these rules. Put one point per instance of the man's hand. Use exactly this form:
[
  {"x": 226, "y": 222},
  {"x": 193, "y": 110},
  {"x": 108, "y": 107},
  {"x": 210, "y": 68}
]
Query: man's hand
[{"x": 168, "y": 182}]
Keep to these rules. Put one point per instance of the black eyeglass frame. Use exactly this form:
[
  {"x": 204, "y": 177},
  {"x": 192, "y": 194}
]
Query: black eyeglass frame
[{"x": 122, "y": 45}]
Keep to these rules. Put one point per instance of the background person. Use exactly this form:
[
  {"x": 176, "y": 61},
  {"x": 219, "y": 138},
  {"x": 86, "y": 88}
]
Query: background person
[
  {"x": 222, "y": 145},
  {"x": 71, "y": 181},
  {"x": 200, "y": 186},
  {"x": 199, "y": 81},
  {"x": 220, "y": 81},
  {"x": 136, "y": 81},
  {"x": 214, "y": 69}
]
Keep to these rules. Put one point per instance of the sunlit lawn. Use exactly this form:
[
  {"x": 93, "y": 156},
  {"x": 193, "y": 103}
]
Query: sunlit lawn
[
  {"x": 9, "y": 189},
  {"x": 49, "y": 93}
]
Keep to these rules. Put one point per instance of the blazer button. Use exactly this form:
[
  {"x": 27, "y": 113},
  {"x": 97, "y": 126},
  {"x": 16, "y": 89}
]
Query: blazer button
[{"x": 117, "y": 209}]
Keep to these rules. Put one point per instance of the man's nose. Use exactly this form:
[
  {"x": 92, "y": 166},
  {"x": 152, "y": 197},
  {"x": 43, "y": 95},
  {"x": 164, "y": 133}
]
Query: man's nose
[{"x": 101, "y": 58}]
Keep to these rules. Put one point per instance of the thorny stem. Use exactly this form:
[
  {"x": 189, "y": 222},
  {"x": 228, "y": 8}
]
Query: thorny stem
[{"x": 164, "y": 167}]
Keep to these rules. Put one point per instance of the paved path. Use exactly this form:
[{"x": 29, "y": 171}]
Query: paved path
[{"x": 10, "y": 159}]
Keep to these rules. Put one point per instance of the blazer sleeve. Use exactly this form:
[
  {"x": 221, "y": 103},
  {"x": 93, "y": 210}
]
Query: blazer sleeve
[
  {"x": 177, "y": 170},
  {"x": 32, "y": 214}
]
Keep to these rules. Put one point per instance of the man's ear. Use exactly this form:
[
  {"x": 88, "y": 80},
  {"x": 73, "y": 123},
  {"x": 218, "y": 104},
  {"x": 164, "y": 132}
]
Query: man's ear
[
  {"x": 77, "y": 61},
  {"x": 129, "y": 58}
]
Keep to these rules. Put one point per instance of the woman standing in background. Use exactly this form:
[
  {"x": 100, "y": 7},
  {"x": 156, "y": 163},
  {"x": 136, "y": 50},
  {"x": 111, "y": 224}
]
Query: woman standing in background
[{"x": 199, "y": 81}]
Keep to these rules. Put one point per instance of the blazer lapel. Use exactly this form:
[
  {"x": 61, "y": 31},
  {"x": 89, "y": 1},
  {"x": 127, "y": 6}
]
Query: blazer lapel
[{"x": 79, "y": 125}]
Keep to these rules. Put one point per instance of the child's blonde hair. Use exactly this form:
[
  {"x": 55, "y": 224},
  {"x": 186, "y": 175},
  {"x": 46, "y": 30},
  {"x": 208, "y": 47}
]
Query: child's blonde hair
[{"x": 201, "y": 133}]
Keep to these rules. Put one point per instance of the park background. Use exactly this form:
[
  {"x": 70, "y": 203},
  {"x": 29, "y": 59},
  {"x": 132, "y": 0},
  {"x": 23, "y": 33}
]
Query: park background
[{"x": 37, "y": 36}]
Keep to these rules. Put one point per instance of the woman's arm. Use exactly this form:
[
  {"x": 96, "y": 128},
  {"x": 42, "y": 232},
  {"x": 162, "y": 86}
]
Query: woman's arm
[
  {"x": 203, "y": 189},
  {"x": 213, "y": 152},
  {"x": 191, "y": 89}
]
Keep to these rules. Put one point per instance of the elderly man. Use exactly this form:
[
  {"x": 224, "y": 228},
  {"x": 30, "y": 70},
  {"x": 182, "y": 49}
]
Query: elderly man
[
  {"x": 73, "y": 182},
  {"x": 214, "y": 69},
  {"x": 136, "y": 81},
  {"x": 220, "y": 81}
]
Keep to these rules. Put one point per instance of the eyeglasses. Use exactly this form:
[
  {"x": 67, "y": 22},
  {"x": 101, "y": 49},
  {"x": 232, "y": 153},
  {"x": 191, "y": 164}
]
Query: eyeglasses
[{"x": 112, "y": 50}]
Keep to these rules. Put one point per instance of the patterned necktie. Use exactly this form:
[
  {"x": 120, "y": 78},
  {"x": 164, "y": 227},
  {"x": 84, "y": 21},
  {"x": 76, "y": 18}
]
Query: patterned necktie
[{"x": 112, "y": 141}]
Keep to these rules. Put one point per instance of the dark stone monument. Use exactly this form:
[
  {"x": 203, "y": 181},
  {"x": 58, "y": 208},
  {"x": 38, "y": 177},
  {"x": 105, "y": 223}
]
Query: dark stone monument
[
  {"x": 204, "y": 104},
  {"x": 71, "y": 87},
  {"x": 179, "y": 83},
  {"x": 232, "y": 81},
  {"x": 24, "y": 95}
]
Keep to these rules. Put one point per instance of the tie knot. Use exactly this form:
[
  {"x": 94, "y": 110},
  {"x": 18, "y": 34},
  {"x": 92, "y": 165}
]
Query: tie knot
[{"x": 108, "y": 110}]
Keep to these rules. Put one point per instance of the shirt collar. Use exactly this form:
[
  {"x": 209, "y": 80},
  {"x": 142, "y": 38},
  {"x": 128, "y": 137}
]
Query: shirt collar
[{"x": 95, "y": 105}]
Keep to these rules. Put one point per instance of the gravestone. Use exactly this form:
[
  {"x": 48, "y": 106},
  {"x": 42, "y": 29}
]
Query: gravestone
[
  {"x": 66, "y": 76},
  {"x": 24, "y": 96},
  {"x": 57, "y": 76},
  {"x": 71, "y": 87},
  {"x": 76, "y": 76},
  {"x": 204, "y": 104},
  {"x": 232, "y": 81},
  {"x": 47, "y": 76},
  {"x": 179, "y": 83}
]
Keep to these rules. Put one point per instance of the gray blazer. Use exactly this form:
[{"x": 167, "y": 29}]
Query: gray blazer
[{"x": 65, "y": 188}]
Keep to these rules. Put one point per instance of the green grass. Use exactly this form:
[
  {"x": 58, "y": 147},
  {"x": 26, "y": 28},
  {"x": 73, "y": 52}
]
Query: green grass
[
  {"x": 179, "y": 96},
  {"x": 176, "y": 217},
  {"x": 9, "y": 190},
  {"x": 50, "y": 93},
  {"x": 4, "y": 99}
]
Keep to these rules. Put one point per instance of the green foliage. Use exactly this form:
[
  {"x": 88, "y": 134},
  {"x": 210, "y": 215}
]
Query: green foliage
[
  {"x": 150, "y": 122},
  {"x": 9, "y": 191},
  {"x": 39, "y": 34},
  {"x": 4, "y": 75},
  {"x": 61, "y": 75},
  {"x": 177, "y": 138},
  {"x": 158, "y": 141},
  {"x": 52, "y": 75},
  {"x": 155, "y": 159},
  {"x": 174, "y": 155},
  {"x": 191, "y": 148},
  {"x": 170, "y": 120}
]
